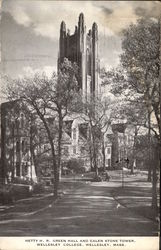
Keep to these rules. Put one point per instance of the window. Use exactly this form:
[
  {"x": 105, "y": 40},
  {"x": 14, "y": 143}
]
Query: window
[
  {"x": 74, "y": 133},
  {"x": 22, "y": 120},
  {"x": 8, "y": 122},
  {"x": 17, "y": 124},
  {"x": 66, "y": 151},
  {"x": 23, "y": 146},
  {"x": 74, "y": 150},
  {"x": 108, "y": 162},
  {"x": 82, "y": 150},
  {"x": 108, "y": 151},
  {"x": 45, "y": 147},
  {"x": 17, "y": 147}
]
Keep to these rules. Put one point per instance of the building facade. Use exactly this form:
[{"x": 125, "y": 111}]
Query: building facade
[
  {"x": 82, "y": 48},
  {"x": 16, "y": 160}
]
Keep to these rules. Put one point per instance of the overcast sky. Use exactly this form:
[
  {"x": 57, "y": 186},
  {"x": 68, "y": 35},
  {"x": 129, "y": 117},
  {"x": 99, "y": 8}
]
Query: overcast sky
[{"x": 30, "y": 30}]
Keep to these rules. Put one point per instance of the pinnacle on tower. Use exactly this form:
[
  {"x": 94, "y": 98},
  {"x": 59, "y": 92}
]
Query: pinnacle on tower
[
  {"x": 95, "y": 26},
  {"x": 63, "y": 26},
  {"x": 95, "y": 31},
  {"x": 81, "y": 22},
  {"x": 81, "y": 17},
  {"x": 76, "y": 28}
]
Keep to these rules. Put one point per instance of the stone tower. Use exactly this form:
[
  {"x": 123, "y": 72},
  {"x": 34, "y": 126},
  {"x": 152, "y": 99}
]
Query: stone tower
[{"x": 82, "y": 48}]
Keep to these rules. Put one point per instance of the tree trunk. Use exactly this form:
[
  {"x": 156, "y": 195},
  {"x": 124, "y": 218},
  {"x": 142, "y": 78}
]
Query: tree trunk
[
  {"x": 32, "y": 152},
  {"x": 94, "y": 153},
  {"x": 91, "y": 157},
  {"x": 154, "y": 189},
  {"x": 59, "y": 144},
  {"x": 134, "y": 152},
  {"x": 149, "y": 153},
  {"x": 13, "y": 156},
  {"x": 90, "y": 151},
  {"x": 132, "y": 167},
  {"x": 32, "y": 149},
  {"x": 154, "y": 179},
  {"x": 55, "y": 169},
  {"x": 104, "y": 157},
  {"x": 35, "y": 163}
]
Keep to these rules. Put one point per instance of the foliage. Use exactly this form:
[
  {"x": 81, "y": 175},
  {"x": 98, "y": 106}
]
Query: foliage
[
  {"x": 6, "y": 194},
  {"x": 18, "y": 180},
  {"x": 97, "y": 178},
  {"x": 140, "y": 59},
  {"x": 11, "y": 192},
  {"x": 76, "y": 165},
  {"x": 50, "y": 100},
  {"x": 38, "y": 188},
  {"x": 95, "y": 111},
  {"x": 136, "y": 80}
]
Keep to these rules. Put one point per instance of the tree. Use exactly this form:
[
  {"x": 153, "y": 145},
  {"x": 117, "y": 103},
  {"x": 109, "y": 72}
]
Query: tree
[
  {"x": 138, "y": 77},
  {"x": 129, "y": 108},
  {"x": 94, "y": 112},
  {"x": 61, "y": 97},
  {"x": 48, "y": 98},
  {"x": 140, "y": 59},
  {"x": 141, "y": 56}
]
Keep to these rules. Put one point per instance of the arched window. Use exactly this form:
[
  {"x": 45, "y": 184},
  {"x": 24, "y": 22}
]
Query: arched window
[
  {"x": 88, "y": 62},
  {"x": 17, "y": 124},
  {"x": 17, "y": 147},
  {"x": 22, "y": 120},
  {"x": 23, "y": 146}
]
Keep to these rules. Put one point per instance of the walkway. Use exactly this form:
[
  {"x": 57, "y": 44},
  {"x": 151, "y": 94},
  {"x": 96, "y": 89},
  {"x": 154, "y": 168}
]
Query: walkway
[{"x": 86, "y": 209}]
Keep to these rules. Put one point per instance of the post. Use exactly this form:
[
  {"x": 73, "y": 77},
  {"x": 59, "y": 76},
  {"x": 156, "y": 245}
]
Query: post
[
  {"x": 123, "y": 160},
  {"x": 13, "y": 155},
  {"x": 31, "y": 170},
  {"x": 122, "y": 174}
]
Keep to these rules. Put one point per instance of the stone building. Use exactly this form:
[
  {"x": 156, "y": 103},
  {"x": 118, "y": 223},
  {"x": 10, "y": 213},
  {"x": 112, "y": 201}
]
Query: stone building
[
  {"x": 82, "y": 48},
  {"x": 76, "y": 142},
  {"x": 15, "y": 142}
]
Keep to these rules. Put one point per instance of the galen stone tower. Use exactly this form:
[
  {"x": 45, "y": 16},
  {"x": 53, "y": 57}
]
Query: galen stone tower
[{"x": 82, "y": 48}]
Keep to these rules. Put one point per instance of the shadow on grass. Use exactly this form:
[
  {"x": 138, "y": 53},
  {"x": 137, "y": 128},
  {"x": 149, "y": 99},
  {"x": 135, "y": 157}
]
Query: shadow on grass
[
  {"x": 84, "y": 211},
  {"x": 138, "y": 199},
  {"x": 84, "y": 217}
]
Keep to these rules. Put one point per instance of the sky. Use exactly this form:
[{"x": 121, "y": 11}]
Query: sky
[{"x": 30, "y": 30}]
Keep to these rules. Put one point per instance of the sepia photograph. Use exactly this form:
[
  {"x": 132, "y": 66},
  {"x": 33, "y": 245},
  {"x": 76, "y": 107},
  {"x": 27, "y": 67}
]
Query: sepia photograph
[{"x": 80, "y": 121}]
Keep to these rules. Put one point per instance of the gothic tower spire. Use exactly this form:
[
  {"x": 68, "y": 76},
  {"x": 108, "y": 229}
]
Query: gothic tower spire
[
  {"x": 62, "y": 41},
  {"x": 81, "y": 22},
  {"x": 81, "y": 47}
]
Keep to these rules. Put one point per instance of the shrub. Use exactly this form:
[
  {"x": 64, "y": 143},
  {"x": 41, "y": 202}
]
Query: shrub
[
  {"x": 19, "y": 180},
  {"x": 7, "y": 194},
  {"x": 76, "y": 165},
  {"x": 12, "y": 192},
  {"x": 97, "y": 179},
  {"x": 38, "y": 188}
]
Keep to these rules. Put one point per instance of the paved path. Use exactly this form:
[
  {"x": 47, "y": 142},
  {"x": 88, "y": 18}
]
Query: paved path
[{"x": 86, "y": 209}]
